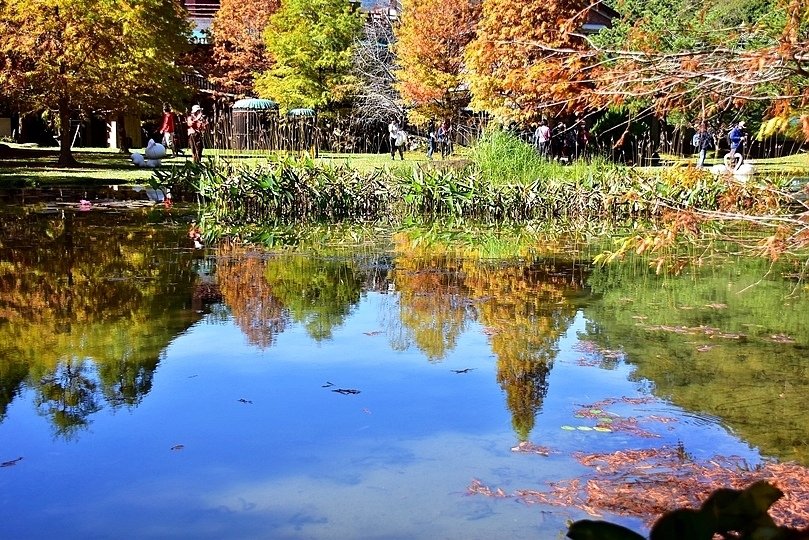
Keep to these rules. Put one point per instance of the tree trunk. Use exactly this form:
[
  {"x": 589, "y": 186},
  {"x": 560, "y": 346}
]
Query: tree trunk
[
  {"x": 123, "y": 140},
  {"x": 65, "y": 152}
]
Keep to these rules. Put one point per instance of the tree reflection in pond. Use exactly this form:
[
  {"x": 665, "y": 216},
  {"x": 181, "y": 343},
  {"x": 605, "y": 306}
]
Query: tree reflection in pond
[
  {"x": 432, "y": 308},
  {"x": 318, "y": 292},
  {"x": 87, "y": 305},
  {"x": 255, "y": 309},
  {"x": 68, "y": 396},
  {"x": 525, "y": 307},
  {"x": 723, "y": 341}
]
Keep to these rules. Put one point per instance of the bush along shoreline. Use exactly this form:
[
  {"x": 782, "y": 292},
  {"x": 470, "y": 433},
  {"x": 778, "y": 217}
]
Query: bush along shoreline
[{"x": 498, "y": 183}]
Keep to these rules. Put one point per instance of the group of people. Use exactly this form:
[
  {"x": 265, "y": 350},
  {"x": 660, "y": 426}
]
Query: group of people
[
  {"x": 437, "y": 139},
  {"x": 196, "y": 126},
  {"x": 703, "y": 141},
  {"x": 563, "y": 143}
]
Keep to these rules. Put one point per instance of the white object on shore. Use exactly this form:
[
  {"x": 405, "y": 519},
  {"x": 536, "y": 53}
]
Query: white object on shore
[
  {"x": 155, "y": 150},
  {"x": 141, "y": 161},
  {"x": 743, "y": 172}
]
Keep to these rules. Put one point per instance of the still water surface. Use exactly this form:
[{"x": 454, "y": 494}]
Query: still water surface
[{"x": 153, "y": 390}]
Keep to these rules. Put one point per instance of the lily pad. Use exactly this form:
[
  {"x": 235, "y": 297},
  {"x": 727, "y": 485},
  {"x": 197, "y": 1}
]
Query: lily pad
[
  {"x": 584, "y": 428},
  {"x": 569, "y": 428},
  {"x": 605, "y": 420},
  {"x": 603, "y": 429},
  {"x": 595, "y": 411}
]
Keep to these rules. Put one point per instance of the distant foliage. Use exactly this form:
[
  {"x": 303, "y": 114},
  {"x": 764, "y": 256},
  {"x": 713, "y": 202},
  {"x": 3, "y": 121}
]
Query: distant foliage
[
  {"x": 238, "y": 51},
  {"x": 69, "y": 55},
  {"x": 311, "y": 43},
  {"x": 524, "y": 58},
  {"x": 711, "y": 58},
  {"x": 431, "y": 39}
]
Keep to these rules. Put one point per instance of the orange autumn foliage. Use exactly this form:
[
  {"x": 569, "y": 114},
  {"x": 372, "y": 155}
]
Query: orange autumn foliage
[
  {"x": 238, "y": 45},
  {"x": 431, "y": 39},
  {"x": 525, "y": 58}
]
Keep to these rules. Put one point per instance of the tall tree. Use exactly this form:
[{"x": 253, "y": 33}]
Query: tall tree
[
  {"x": 431, "y": 39},
  {"x": 311, "y": 42},
  {"x": 525, "y": 57},
  {"x": 238, "y": 49},
  {"x": 69, "y": 55},
  {"x": 374, "y": 66}
]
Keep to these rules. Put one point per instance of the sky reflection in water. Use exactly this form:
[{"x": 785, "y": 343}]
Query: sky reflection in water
[{"x": 236, "y": 440}]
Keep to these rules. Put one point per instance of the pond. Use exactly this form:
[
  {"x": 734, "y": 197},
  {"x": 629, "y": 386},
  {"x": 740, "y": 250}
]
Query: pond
[{"x": 392, "y": 389}]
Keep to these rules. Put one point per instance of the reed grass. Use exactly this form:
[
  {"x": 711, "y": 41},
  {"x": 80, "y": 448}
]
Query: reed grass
[{"x": 504, "y": 181}]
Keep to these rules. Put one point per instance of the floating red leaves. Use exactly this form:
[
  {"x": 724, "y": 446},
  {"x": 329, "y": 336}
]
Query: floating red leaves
[{"x": 647, "y": 483}]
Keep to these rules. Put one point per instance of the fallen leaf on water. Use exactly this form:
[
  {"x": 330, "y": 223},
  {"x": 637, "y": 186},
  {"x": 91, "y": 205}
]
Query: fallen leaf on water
[
  {"x": 178, "y": 447},
  {"x": 10, "y": 462},
  {"x": 373, "y": 333},
  {"x": 531, "y": 448},
  {"x": 242, "y": 400},
  {"x": 346, "y": 391}
]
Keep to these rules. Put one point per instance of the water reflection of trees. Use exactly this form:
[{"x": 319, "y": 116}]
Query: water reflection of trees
[
  {"x": 318, "y": 292},
  {"x": 256, "y": 311},
  {"x": 723, "y": 342},
  {"x": 525, "y": 307},
  {"x": 266, "y": 291},
  {"x": 432, "y": 309},
  {"x": 87, "y": 303},
  {"x": 68, "y": 395}
]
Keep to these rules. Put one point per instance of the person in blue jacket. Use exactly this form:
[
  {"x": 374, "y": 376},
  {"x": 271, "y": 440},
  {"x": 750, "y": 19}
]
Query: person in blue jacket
[{"x": 737, "y": 138}]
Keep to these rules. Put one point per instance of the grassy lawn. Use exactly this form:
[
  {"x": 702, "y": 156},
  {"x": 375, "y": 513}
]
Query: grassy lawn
[
  {"x": 795, "y": 164},
  {"x": 28, "y": 165}
]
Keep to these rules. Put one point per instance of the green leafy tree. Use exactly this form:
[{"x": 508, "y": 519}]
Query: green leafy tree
[
  {"x": 81, "y": 55},
  {"x": 311, "y": 42}
]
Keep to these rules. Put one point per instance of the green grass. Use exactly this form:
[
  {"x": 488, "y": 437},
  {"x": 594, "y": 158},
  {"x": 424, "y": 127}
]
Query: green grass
[
  {"x": 29, "y": 165},
  {"x": 794, "y": 164},
  {"x": 363, "y": 163}
]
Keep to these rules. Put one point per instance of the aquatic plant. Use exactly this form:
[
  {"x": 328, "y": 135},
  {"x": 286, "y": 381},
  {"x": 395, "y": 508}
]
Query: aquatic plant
[{"x": 505, "y": 182}]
